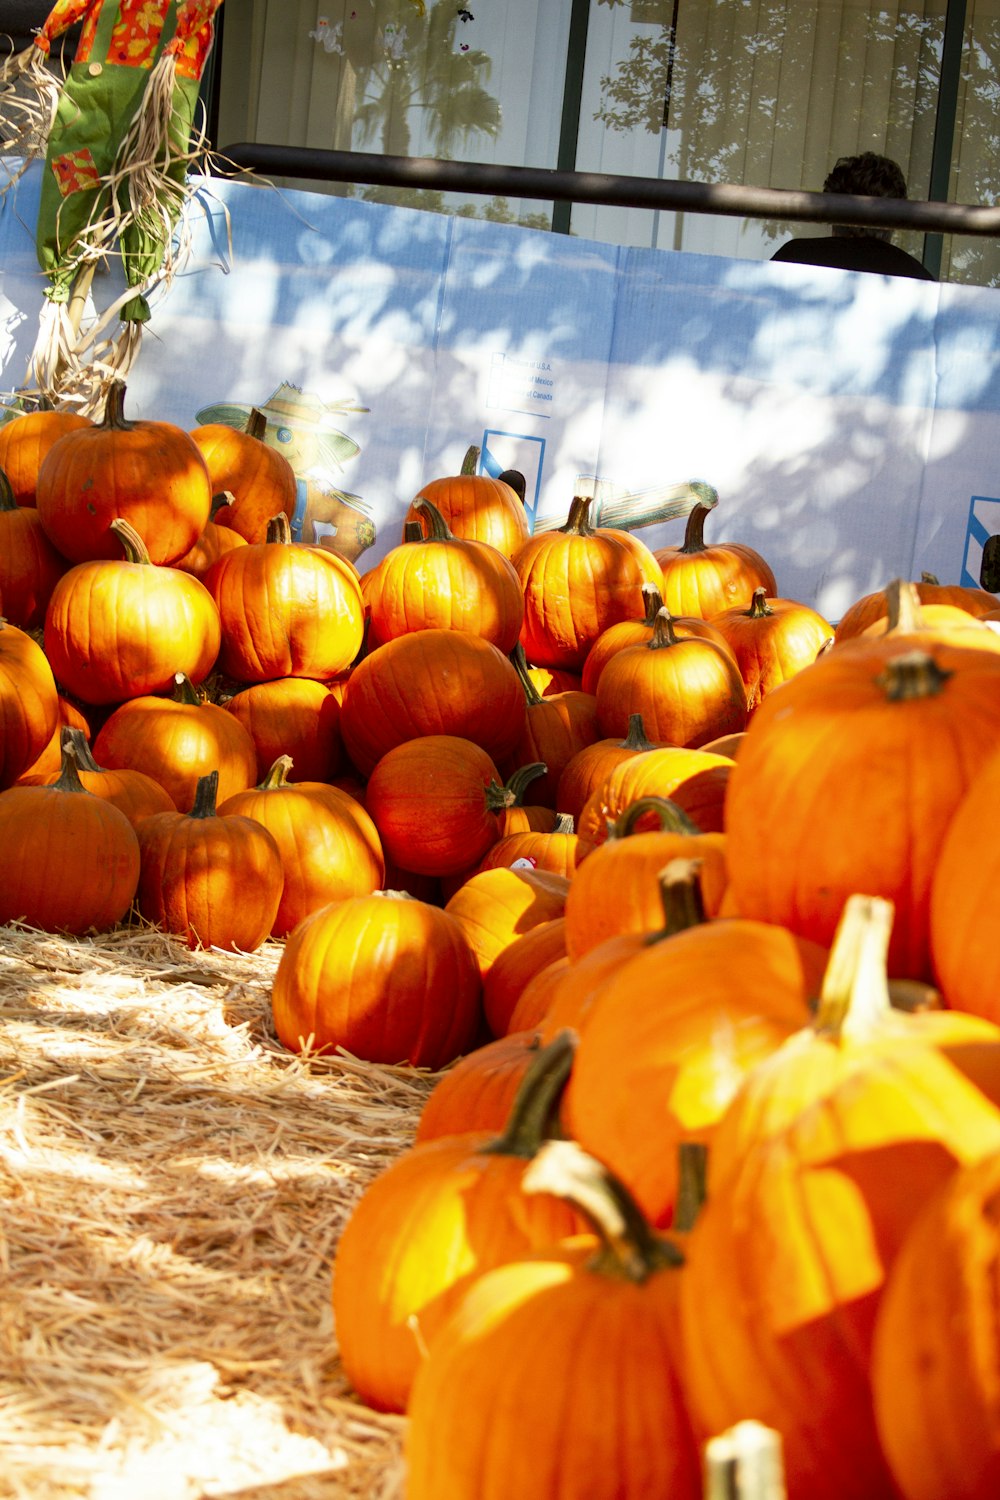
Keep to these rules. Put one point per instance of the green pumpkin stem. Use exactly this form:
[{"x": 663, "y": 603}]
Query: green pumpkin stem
[
  {"x": 470, "y": 461},
  {"x": 564, "y": 823},
  {"x": 632, "y": 1249},
  {"x": 535, "y": 1104},
  {"x": 672, "y": 819},
  {"x": 692, "y": 1179},
  {"x": 224, "y": 497},
  {"x": 7, "y": 501},
  {"x": 518, "y": 783},
  {"x": 438, "y": 529},
  {"x": 680, "y": 893},
  {"x": 903, "y": 607},
  {"x": 759, "y": 607},
  {"x": 664, "y": 634},
  {"x": 531, "y": 694},
  {"x": 114, "y": 418},
  {"x": 205, "y": 795},
  {"x": 185, "y": 690},
  {"x": 578, "y": 520},
  {"x": 132, "y": 543},
  {"x": 412, "y": 530},
  {"x": 69, "y": 775},
  {"x": 653, "y": 600},
  {"x": 256, "y": 423},
  {"x": 277, "y": 776},
  {"x": 854, "y": 999}
]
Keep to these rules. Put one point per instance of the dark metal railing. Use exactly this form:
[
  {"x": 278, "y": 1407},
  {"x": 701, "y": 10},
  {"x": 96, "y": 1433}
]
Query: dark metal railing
[{"x": 781, "y": 204}]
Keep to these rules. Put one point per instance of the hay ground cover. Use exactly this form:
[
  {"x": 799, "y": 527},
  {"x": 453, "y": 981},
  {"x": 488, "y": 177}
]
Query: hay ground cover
[{"x": 172, "y": 1187}]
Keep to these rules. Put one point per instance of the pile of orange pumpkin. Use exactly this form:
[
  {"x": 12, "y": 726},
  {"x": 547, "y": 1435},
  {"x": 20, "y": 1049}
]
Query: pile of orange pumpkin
[{"x": 661, "y": 868}]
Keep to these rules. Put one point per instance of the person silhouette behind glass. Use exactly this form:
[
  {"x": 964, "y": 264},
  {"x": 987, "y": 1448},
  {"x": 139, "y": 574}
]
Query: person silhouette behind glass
[{"x": 855, "y": 247}]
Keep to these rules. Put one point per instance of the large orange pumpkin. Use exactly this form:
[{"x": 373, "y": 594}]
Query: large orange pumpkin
[
  {"x": 577, "y": 581},
  {"x": 702, "y": 579},
  {"x": 149, "y": 473},
  {"x": 24, "y": 442},
  {"x": 257, "y": 480},
  {"x": 30, "y": 567},
  {"x": 772, "y": 639},
  {"x": 29, "y": 702},
  {"x": 477, "y": 506}
]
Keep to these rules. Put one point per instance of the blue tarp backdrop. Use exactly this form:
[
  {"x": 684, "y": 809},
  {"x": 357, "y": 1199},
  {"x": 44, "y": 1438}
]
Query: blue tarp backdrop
[{"x": 850, "y": 423}]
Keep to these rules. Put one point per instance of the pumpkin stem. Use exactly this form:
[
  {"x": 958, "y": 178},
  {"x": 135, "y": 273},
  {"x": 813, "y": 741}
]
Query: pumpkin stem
[
  {"x": 854, "y": 999},
  {"x": 277, "y": 776},
  {"x": 438, "y": 529},
  {"x": 653, "y": 600},
  {"x": 470, "y": 461},
  {"x": 518, "y": 783},
  {"x": 664, "y": 633},
  {"x": 930, "y": 578},
  {"x": 279, "y": 530},
  {"x": 532, "y": 696},
  {"x": 680, "y": 893},
  {"x": 185, "y": 690},
  {"x": 577, "y": 522},
  {"x": 132, "y": 543},
  {"x": 692, "y": 1180},
  {"x": 913, "y": 675},
  {"x": 536, "y": 1100},
  {"x": 632, "y": 1248},
  {"x": 256, "y": 423},
  {"x": 205, "y": 794},
  {"x": 636, "y": 738},
  {"x": 759, "y": 607},
  {"x": 69, "y": 776},
  {"x": 903, "y": 607},
  {"x": 76, "y": 740},
  {"x": 498, "y": 797},
  {"x": 745, "y": 1463},
  {"x": 564, "y": 823},
  {"x": 114, "y": 418},
  {"x": 672, "y": 819},
  {"x": 694, "y": 531},
  {"x": 224, "y": 497},
  {"x": 412, "y": 530},
  {"x": 7, "y": 501}
]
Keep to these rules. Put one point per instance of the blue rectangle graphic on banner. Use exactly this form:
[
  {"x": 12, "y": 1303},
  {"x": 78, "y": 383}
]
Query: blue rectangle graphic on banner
[
  {"x": 984, "y": 522},
  {"x": 515, "y": 450}
]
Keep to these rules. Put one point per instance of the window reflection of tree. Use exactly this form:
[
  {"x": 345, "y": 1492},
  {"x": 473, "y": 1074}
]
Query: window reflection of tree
[{"x": 770, "y": 94}]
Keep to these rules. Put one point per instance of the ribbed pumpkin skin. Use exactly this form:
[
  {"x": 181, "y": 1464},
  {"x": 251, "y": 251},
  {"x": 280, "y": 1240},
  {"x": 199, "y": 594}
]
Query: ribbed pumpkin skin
[
  {"x": 70, "y": 861},
  {"x": 772, "y": 640},
  {"x": 117, "y": 630},
  {"x": 587, "y": 1362},
  {"x": 556, "y": 728},
  {"x": 576, "y": 584},
  {"x": 24, "y": 442},
  {"x": 148, "y": 473},
  {"x": 871, "y": 608},
  {"x": 964, "y": 954},
  {"x": 698, "y": 578},
  {"x": 330, "y": 848},
  {"x": 441, "y": 1211},
  {"x": 259, "y": 478},
  {"x": 688, "y": 690},
  {"x": 213, "y": 881},
  {"x": 30, "y": 566},
  {"x": 215, "y": 541},
  {"x": 432, "y": 682},
  {"x": 390, "y": 979},
  {"x": 496, "y": 907},
  {"x": 29, "y": 702},
  {"x": 175, "y": 743},
  {"x": 867, "y": 787},
  {"x": 131, "y": 791},
  {"x": 450, "y": 583},
  {"x": 936, "y": 1337},
  {"x": 287, "y": 611},
  {"x": 672, "y": 771},
  {"x": 294, "y": 716},
  {"x": 428, "y": 800},
  {"x": 516, "y": 966},
  {"x": 477, "y": 1093},
  {"x": 476, "y": 506}
]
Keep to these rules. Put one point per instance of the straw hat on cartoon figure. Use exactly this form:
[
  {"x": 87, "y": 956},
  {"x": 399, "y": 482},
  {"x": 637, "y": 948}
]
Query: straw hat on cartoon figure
[{"x": 304, "y": 429}]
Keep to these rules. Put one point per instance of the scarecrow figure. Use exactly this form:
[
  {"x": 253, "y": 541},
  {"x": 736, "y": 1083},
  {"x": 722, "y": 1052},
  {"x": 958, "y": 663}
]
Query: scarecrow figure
[{"x": 119, "y": 136}]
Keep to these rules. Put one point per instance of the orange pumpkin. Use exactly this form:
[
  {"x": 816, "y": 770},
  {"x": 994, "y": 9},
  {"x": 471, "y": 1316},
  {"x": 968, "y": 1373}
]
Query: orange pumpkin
[
  {"x": 443, "y": 581},
  {"x": 695, "y": 780},
  {"x": 293, "y": 716},
  {"x": 703, "y": 580},
  {"x": 24, "y": 442},
  {"x": 516, "y": 966},
  {"x": 210, "y": 878},
  {"x": 257, "y": 480},
  {"x": 688, "y": 689},
  {"x": 120, "y": 629},
  {"x": 556, "y": 726},
  {"x": 385, "y": 976},
  {"x": 496, "y": 906},
  {"x": 30, "y": 567},
  {"x": 29, "y": 702},
  {"x": 330, "y": 849},
  {"x": 584, "y": 772},
  {"x": 130, "y": 790},
  {"x": 772, "y": 639},
  {"x": 443, "y": 1210},
  {"x": 215, "y": 541},
  {"x": 148, "y": 473},
  {"x": 477, "y": 1094},
  {"x": 476, "y": 506},
  {"x": 578, "y": 581},
  {"x": 70, "y": 860},
  {"x": 871, "y": 608}
]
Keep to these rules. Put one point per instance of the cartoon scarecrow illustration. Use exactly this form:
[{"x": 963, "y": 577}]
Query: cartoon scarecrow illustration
[
  {"x": 305, "y": 430},
  {"x": 120, "y": 137}
]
